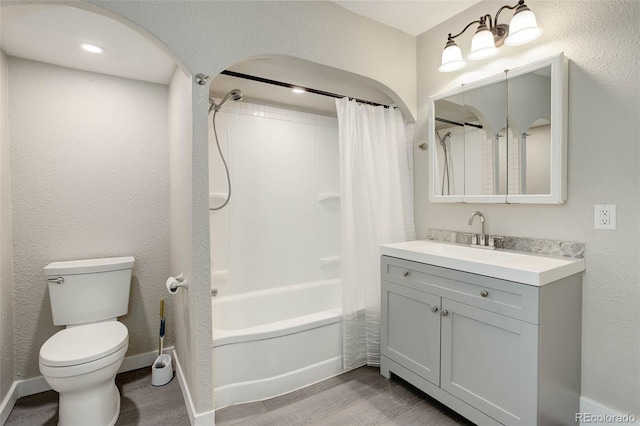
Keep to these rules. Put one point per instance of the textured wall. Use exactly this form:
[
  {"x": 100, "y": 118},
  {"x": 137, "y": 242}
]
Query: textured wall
[
  {"x": 180, "y": 136},
  {"x": 89, "y": 162},
  {"x": 6, "y": 252},
  {"x": 604, "y": 117},
  {"x": 208, "y": 37},
  {"x": 211, "y": 36}
]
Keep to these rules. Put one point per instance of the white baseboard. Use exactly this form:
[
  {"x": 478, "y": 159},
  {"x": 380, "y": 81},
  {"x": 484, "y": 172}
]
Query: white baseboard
[
  {"x": 8, "y": 402},
  {"x": 599, "y": 414},
  {"x": 197, "y": 419},
  {"x": 26, "y": 387},
  {"x": 146, "y": 359}
]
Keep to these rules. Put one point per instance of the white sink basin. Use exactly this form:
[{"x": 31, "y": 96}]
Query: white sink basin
[
  {"x": 468, "y": 253},
  {"x": 521, "y": 267}
]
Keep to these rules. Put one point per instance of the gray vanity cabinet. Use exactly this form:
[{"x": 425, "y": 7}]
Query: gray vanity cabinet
[
  {"x": 490, "y": 361},
  {"x": 408, "y": 313},
  {"x": 496, "y": 351}
]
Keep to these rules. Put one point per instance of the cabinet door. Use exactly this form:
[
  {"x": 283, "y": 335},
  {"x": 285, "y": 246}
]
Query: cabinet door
[
  {"x": 491, "y": 362},
  {"x": 411, "y": 329}
]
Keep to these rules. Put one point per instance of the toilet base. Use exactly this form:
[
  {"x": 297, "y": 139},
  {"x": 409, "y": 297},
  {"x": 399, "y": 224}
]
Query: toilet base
[
  {"x": 111, "y": 423},
  {"x": 97, "y": 406},
  {"x": 88, "y": 397}
]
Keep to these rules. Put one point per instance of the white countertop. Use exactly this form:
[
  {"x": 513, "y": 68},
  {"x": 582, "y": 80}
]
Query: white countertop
[{"x": 526, "y": 268}]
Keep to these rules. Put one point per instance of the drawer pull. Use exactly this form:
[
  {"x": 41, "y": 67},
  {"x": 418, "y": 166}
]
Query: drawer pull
[
  {"x": 434, "y": 309},
  {"x": 484, "y": 293},
  {"x": 406, "y": 273},
  {"x": 444, "y": 313}
]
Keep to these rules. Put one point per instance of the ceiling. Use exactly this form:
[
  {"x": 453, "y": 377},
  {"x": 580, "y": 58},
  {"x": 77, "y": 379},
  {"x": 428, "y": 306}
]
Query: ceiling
[
  {"x": 411, "y": 17},
  {"x": 52, "y": 34}
]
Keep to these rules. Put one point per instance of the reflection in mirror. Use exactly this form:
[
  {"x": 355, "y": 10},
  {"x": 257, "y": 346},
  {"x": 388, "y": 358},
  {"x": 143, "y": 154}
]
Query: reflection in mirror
[
  {"x": 506, "y": 137},
  {"x": 486, "y": 140},
  {"x": 529, "y": 98},
  {"x": 449, "y": 146}
]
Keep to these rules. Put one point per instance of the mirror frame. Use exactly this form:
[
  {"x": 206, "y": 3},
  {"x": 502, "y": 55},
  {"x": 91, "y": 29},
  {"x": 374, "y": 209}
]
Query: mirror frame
[{"x": 558, "y": 152}]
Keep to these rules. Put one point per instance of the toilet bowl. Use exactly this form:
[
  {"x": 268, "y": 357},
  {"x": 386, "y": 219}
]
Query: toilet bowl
[{"x": 80, "y": 363}]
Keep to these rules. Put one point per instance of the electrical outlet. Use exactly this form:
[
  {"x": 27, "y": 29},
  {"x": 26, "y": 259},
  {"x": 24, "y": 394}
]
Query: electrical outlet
[{"x": 604, "y": 216}]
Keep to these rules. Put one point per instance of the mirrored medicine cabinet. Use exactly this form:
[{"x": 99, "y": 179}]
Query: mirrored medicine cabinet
[{"x": 502, "y": 139}]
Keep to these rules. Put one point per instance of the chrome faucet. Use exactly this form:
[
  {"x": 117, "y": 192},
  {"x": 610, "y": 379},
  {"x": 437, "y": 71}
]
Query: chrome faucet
[{"x": 482, "y": 235}]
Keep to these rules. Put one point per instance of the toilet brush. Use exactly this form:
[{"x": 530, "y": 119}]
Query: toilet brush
[
  {"x": 161, "y": 371},
  {"x": 161, "y": 338}
]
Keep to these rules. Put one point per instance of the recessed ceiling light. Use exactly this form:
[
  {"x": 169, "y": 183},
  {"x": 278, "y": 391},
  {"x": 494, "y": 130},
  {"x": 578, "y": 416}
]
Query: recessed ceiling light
[
  {"x": 298, "y": 90},
  {"x": 92, "y": 48}
]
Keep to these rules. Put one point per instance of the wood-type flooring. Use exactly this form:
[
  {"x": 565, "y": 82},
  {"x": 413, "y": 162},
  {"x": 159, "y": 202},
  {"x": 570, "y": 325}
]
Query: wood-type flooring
[{"x": 358, "y": 397}]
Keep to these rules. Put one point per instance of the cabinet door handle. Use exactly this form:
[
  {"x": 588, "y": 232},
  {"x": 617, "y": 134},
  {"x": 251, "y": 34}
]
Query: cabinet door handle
[
  {"x": 434, "y": 309},
  {"x": 444, "y": 313},
  {"x": 484, "y": 293},
  {"x": 406, "y": 273}
]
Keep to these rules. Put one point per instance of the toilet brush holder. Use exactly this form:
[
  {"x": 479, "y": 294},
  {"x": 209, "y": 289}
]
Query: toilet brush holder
[{"x": 161, "y": 370}]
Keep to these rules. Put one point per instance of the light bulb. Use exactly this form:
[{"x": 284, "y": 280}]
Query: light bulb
[
  {"x": 523, "y": 27},
  {"x": 482, "y": 44},
  {"x": 451, "y": 58}
]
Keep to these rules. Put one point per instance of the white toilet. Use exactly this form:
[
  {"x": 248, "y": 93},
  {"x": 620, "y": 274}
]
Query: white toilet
[{"x": 81, "y": 361}]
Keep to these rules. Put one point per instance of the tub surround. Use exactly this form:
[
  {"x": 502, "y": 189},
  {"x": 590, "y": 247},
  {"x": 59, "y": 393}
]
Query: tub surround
[
  {"x": 284, "y": 164},
  {"x": 529, "y": 245},
  {"x": 284, "y": 171}
]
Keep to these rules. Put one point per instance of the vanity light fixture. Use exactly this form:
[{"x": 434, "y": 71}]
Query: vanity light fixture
[
  {"x": 522, "y": 29},
  {"x": 298, "y": 90},
  {"x": 92, "y": 48}
]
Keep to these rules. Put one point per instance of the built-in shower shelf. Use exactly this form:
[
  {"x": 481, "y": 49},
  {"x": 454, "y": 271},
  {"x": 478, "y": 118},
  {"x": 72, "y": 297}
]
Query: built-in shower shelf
[
  {"x": 324, "y": 261},
  {"x": 328, "y": 196},
  {"x": 217, "y": 198}
]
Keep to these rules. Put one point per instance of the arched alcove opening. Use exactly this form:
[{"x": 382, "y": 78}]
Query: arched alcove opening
[
  {"x": 301, "y": 73},
  {"x": 95, "y": 143},
  {"x": 275, "y": 247}
]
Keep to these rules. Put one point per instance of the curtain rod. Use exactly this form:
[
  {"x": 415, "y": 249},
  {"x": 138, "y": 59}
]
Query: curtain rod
[
  {"x": 444, "y": 120},
  {"x": 293, "y": 86}
]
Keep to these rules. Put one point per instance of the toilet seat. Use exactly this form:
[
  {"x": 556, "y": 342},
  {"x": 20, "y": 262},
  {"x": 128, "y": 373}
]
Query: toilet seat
[
  {"x": 78, "y": 346},
  {"x": 82, "y": 369}
]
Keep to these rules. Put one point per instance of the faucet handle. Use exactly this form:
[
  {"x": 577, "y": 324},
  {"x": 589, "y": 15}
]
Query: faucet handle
[
  {"x": 474, "y": 239},
  {"x": 493, "y": 239}
]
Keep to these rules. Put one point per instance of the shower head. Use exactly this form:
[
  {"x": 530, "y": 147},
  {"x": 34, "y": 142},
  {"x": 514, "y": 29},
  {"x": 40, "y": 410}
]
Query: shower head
[{"x": 235, "y": 94}]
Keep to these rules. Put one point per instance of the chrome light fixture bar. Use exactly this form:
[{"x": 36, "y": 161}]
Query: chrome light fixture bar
[{"x": 522, "y": 29}]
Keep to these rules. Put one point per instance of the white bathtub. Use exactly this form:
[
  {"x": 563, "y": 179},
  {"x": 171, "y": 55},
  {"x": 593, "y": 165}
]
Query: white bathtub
[{"x": 266, "y": 343}]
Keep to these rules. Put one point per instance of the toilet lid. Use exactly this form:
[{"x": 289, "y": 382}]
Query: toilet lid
[{"x": 84, "y": 343}]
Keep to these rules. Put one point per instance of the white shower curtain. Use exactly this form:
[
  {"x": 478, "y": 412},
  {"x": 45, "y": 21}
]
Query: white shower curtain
[{"x": 376, "y": 208}]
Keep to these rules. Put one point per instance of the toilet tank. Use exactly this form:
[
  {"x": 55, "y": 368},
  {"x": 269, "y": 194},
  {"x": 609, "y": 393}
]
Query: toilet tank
[{"x": 89, "y": 290}]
